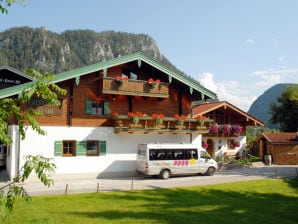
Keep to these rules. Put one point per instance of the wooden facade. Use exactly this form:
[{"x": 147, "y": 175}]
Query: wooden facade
[
  {"x": 110, "y": 107},
  {"x": 101, "y": 89},
  {"x": 281, "y": 147}
]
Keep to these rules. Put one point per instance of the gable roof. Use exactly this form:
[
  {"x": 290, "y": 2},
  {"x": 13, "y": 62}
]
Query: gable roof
[
  {"x": 208, "y": 107},
  {"x": 280, "y": 137},
  {"x": 13, "y": 70},
  {"x": 140, "y": 57}
]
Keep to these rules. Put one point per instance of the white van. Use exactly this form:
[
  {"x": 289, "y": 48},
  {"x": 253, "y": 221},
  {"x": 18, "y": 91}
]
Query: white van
[{"x": 173, "y": 159}]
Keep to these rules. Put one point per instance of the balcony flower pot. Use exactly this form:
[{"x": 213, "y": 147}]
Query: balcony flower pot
[
  {"x": 153, "y": 84},
  {"x": 236, "y": 130},
  {"x": 180, "y": 121},
  {"x": 225, "y": 129},
  {"x": 135, "y": 119},
  {"x": 214, "y": 129},
  {"x": 121, "y": 81},
  {"x": 158, "y": 119}
]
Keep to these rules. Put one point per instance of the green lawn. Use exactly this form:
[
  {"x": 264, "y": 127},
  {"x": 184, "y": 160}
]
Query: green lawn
[{"x": 261, "y": 201}]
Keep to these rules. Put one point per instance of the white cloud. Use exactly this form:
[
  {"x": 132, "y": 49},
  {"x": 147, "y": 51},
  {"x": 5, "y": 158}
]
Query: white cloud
[
  {"x": 230, "y": 91},
  {"x": 244, "y": 92},
  {"x": 270, "y": 77},
  {"x": 274, "y": 40},
  {"x": 206, "y": 79},
  {"x": 281, "y": 58},
  {"x": 249, "y": 41}
]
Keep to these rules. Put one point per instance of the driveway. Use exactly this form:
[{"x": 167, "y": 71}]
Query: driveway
[{"x": 64, "y": 184}]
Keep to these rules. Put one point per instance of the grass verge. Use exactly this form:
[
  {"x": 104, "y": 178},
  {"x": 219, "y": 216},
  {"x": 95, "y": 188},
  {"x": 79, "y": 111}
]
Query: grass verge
[{"x": 261, "y": 201}]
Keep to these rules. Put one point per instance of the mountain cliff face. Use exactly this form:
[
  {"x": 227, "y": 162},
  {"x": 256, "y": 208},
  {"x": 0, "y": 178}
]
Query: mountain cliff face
[
  {"x": 49, "y": 52},
  {"x": 261, "y": 106}
]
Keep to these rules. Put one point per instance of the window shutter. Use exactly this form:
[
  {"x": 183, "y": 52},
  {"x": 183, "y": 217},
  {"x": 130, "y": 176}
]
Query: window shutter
[
  {"x": 103, "y": 148},
  {"x": 58, "y": 148},
  {"x": 106, "y": 108},
  {"x": 88, "y": 106},
  {"x": 81, "y": 148}
]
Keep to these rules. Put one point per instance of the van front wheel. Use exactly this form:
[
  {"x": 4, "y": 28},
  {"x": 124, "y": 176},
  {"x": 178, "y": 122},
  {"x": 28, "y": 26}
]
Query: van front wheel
[
  {"x": 210, "y": 171},
  {"x": 165, "y": 174}
]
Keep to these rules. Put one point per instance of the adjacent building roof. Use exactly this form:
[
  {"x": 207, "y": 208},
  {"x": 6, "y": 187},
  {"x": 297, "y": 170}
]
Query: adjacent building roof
[
  {"x": 280, "y": 137},
  {"x": 13, "y": 70},
  {"x": 139, "y": 57},
  {"x": 208, "y": 107}
]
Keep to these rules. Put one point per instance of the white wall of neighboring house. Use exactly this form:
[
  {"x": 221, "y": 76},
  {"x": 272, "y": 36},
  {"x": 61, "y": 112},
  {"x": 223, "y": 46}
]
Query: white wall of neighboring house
[
  {"x": 120, "y": 155},
  {"x": 12, "y": 159},
  {"x": 220, "y": 145}
]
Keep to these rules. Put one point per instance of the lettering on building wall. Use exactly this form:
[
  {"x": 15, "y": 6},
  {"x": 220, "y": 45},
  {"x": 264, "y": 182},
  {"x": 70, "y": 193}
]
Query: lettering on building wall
[
  {"x": 10, "y": 81},
  {"x": 42, "y": 106}
]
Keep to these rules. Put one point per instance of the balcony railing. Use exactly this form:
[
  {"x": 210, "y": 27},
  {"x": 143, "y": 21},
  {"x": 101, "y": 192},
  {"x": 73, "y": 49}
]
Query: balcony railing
[
  {"x": 133, "y": 88},
  {"x": 147, "y": 124}
]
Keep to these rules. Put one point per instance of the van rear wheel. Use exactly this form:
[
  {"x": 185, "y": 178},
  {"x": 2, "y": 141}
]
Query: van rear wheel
[
  {"x": 210, "y": 171},
  {"x": 165, "y": 174}
]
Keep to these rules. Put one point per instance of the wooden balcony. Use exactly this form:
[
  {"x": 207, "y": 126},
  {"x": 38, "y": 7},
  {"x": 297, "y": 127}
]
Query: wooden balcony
[
  {"x": 147, "y": 124},
  {"x": 133, "y": 88}
]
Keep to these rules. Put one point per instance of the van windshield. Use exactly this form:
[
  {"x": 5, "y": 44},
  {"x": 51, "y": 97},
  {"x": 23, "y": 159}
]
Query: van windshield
[{"x": 172, "y": 154}]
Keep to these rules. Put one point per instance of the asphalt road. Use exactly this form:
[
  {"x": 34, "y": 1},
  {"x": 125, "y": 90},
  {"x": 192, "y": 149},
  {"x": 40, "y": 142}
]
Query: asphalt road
[{"x": 83, "y": 184}]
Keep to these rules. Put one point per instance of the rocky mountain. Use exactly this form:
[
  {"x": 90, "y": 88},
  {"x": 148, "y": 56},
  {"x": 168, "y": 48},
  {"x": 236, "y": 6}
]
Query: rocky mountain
[
  {"x": 261, "y": 106},
  {"x": 49, "y": 52}
]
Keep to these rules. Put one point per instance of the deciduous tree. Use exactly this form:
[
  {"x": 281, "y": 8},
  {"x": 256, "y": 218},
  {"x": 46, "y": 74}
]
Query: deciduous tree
[
  {"x": 14, "y": 108},
  {"x": 285, "y": 112}
]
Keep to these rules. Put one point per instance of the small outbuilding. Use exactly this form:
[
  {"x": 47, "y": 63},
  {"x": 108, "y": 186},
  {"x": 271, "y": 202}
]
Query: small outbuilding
[{"x": 279, "y": 148}]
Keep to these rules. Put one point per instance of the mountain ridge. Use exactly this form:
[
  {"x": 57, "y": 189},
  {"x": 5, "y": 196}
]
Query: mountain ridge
[
  {"x": 261, "y": 106},
  {"x": 49, "y": 52}
]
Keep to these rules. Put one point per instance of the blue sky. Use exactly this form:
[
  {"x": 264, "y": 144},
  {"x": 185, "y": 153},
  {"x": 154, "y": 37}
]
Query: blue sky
[{"x": 236, "y": 48}]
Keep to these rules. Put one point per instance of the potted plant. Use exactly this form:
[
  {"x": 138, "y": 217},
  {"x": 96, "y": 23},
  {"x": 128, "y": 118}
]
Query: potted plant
[
  {"x": 121, "y": 81},
  {"x": 205, "y": 145},
  {"x": 236, "y": 129},
  {"x": 225, "y": 129},
  {"x": 135, "y": 118},
  {"x": 152, "y": 84},
  {"x": 158, "y": 118},
  {"x": 214, "y": 129},
  {"x": 180, "y": 120},
  {"x": 201, "y": 121}
]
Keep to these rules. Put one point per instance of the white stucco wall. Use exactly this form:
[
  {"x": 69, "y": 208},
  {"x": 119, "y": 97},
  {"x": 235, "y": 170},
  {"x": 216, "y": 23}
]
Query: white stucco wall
[
  {"x": 220, "y": 144},
  {"x": 12, "y": 159},
  {"x": 121, "y": 148}
]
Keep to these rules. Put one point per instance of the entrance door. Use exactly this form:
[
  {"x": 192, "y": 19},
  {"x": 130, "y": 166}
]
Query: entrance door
[{"x": 210, "y": 148}]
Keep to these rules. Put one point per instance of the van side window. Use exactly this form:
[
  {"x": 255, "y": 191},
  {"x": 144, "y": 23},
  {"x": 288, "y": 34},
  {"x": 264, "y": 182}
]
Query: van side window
[
  {"x": 173, "y": 154},
  {"x": 204, "y": 155}
]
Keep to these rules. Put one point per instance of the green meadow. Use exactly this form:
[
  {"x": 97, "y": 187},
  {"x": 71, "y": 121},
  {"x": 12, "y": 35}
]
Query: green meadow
[{"x": 260, "y": 201}]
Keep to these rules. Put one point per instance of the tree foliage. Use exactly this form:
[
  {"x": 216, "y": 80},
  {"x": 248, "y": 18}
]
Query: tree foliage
[
  {"x": 285, "y": 112},
  {"x": 4, "y": 4},
  {"x": 15, "y": 109},
  {"x": 40, "y": 165}
]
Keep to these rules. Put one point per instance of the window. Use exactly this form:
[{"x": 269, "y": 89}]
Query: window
[
  {"x": 69, "y": 148},
  {"x": 92, "y": 148},
  {"x": 173, "y": 154},
  {"x": 231, "y": 144},
  {"x": 80, "y": 148},
  {"x": 204, "y": 155},
  {"x": 98, "y": 107}
]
